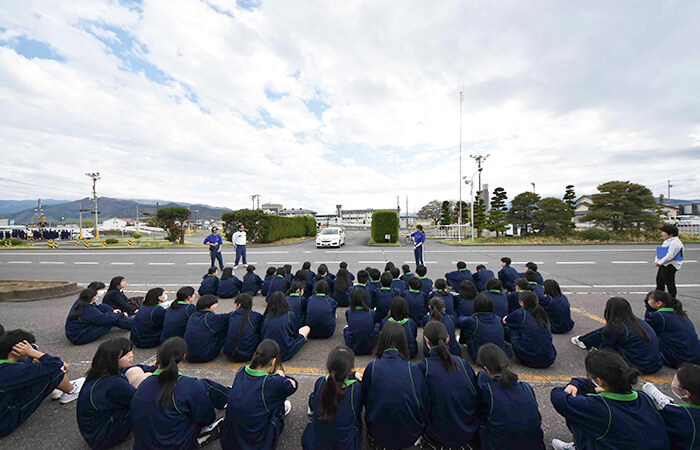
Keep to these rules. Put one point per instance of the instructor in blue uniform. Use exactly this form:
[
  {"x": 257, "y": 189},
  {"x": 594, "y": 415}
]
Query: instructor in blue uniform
[
  {"x": 418, "y": 241},
  {"x": 214, "y": 242}
]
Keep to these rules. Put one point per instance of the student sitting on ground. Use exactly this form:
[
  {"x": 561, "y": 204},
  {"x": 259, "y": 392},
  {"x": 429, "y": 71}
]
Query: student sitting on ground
[
  {"x": 396, "y": 284},
  {"x": 87, "y": 322},
  {"x": 322, "y": 274},
  {"x": 513, "y": 298},
  {"x": 417, "y": 302},
  {"x": 27, "y": 377},
  {"x": 533, "y": 267},
  {"x": 441, "y": 291},
  {"x": 392, "y": 392},
  {"x": 385, "y": 295},
  {"x": 528, "y": 329},
  {"x": 251, "y": 281},
  {"x": 374, "y": 285},
  {"x": 682, "y": 420},
  {"x": 362, "y": 280},
  {"x": 427, "y": 285},
  {"x": 229, "y": 284},
  {"x": 270, "y": 274},
  {"x": 171, "y": 410},
  {"x": 257, "y": 402},
  {"x": 455, "y": 277},
  {"x": 298, "y": 303},
  {"x": 557, "y": 306},
  {"x": 406, "y": 274},
  {"x": 116, "y": 299},
  {"x": 399, "y": 315},
  {"x": 494, "y": 290},
  {"x": 148, "y": 322},
  {"x": 320, "y": 312},
  {"x": 483, "y": 327},
  {"x": 210, "y": 282},
  {"x": 437, "y": 313},
  {"x": 449, "y": 391},
  {"x": 537, "y": 288},
  {"x": 288, "y": 275},
  {"x": 344, "y": 266},
  {"x": 678, "y": 340},
  {"x": 481, "y": 276},
  {"x": 464, "y": 300},
  {"x": 341, "y": 287},
  {"x": 104, "y": 403},
  {"x": 280, "y": 326},
  {"x": 336, "y": 405},
  {"x": 509, "y": 412},
  {"x": 310, "y": 279},
  {"x": 179, "y": 312},
  {"x": 633, "y": 338},
  {"x": 243, "y": 334},
  {"x": 604, "y": 412},
  {"x": 508, "y": 275},
  {"x": 360, "y": 334},
  {"x": 99, "y": 287},
  {"x": 206, "y": 331},
  {"x": 278, "y": 284}
]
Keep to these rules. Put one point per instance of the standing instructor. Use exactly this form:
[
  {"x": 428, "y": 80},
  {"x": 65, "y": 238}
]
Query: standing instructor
[
  {"x": 418, "y": 241},
  {"x": 214, "y": 242},
  {"x": 671, "y": 262},
  {"x": 239, "y": 241}
]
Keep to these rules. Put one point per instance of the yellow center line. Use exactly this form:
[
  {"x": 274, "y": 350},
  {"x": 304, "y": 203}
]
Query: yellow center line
[{"x": 589, "y": 315}]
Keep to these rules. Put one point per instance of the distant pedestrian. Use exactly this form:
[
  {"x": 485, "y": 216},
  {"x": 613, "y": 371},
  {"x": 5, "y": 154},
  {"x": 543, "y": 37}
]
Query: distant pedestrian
[
  {"x": 671, "y": 262},
  {"x": 418, "y": 241},
  {"x": 214, "y": 242},
  {"x": 239, "y": 241}
]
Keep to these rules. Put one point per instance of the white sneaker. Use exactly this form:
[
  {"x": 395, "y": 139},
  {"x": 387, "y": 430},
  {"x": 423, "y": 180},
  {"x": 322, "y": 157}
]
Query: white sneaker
[
  {"x": 209, "y": 433},
  {"x": 576, "y": 341},
  {"x": 77, "y": 385},
  {"x": 661, "y": 399},
  {"x": 287, "y": 407},
  {"x": 245, "y": 266},
  {"x": 309, "y": 411},
  {"x": 235, "y": 267},
  {"x": 561, "y": 445},
  {"x": 56, "y": 394}
]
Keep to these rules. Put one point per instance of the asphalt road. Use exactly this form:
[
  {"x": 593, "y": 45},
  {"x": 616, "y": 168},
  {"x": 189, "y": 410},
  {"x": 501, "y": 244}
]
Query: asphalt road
[{"x": 589, "y": 275}]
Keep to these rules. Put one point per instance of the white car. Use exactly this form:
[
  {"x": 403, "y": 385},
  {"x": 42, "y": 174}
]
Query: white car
[{"x": 330, "y": 237}]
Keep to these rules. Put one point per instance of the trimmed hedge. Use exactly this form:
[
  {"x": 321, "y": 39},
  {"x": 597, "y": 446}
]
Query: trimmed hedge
[
  {"x": 261, "y": 227},
  {"x": 385, "y": 222},
  {"x": 596, "y": 234},
  {"x": 111, "y": 241}
]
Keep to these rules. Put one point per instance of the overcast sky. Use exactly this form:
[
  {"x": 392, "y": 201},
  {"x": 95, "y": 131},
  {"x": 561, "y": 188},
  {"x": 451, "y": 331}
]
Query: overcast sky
[{"x": 345, "y": 102}]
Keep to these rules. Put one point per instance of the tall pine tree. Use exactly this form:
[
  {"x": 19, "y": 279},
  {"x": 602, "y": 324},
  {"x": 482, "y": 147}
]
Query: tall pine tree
[{"x": 479, "y": 214}]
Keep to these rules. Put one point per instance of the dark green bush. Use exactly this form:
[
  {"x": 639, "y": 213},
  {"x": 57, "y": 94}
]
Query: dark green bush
[
  {"x": 596, "y": 234},
  {"x": 385, "y": 222},
  {"x": 136, "y": 236},
  {"x": 13, "y": 242},
  {"x": 261, "y": 227},
  {"x": 111, "y": 241}
]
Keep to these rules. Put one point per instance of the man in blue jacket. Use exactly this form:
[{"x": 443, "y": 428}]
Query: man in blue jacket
[{"x": 214, "y": 242}]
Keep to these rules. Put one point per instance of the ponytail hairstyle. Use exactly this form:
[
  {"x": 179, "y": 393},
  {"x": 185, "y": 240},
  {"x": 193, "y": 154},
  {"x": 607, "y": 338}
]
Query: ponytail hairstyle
[
  {"x": 437, "y": 308},
  {"x": 551, "y": 288},
  {"x": 321, "y": 287},
  {"x": 152, "y": 296},
  {"x": 227, "y": 273},
  {"x": 531, "y": 303},
  {"x": 266, "y": 352},
  {"x": 358, "y": 299},
  {"x": 245, "y": 301},
  {"x": 85, "y": 298},
  {"x": 277, "y": 305},
  {"x": 206, "y": 302},
  {"x": 440, "y": 285},
  {"x": 689, "y": 378},
  {"x": 249, "y": 271},
  {"x": 182, "y": 294},
  {"x": 321, "y": 272},
  {"x": 392, "y": 336},
  {"x": 388, "y": 266},
  {"x": 342, "y": 281},
  {"x": 669, "y": 302},
  {"x": 296, "y": 285},
  {"x": 340, "y": 362},
  {"x": 523, "y": 284},
  {"x": 493, "y": 358},
  {"x": 612, "y": 368},
  {"x": 436, "y": 334},
  {"x": 170, "y": 354},
  {"x": 619, "y": 312},
  {"x": 467, "y": 290},
  {"x": 482, "y": 304},
  {"x": 114, "y": 283},
  {"x": 399, "y": 309},
  {"x": 493, "y": 284},
  {"x": 306, "y": 266},
  {"x": 105, "y": 363},
  {"x": 210, "y": 271}
]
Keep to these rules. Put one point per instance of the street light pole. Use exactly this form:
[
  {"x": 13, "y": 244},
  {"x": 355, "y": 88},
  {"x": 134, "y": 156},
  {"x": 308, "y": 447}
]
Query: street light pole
[
  {"x": 459, "y": 223},
  {"x": 470, "y": 182}
]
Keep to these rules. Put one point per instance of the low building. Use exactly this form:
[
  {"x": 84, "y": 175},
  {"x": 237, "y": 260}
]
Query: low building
[
  {"x": 114, "y": 224},
  {"x": 296, "y": 212},
  {"x": 583, "y": 207},
  {"x": 670, "y": 211},
  {"x": 271, "y": 208}
]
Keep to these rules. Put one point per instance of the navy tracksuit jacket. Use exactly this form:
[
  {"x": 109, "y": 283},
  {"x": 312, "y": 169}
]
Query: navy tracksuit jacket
[
  {"x": 532, "y": 344},
  {"x": 483, "y": 328},
  {"x": 320, "y": 316},
  {"x": 344, "y": 431},
  {"x": 104, "y": 411},
  {"x": 116, "y": 299},
  {"x": 147, "y": 326},
  {"x": 678, "y": 339},
  {"x": 682, "y": 425},
  {"x": 449, "y": 323},
  {"x": 282, "y": 330},
  {"x": 481, "y": 277},
  {"x": 449, "y": 300},
  {"x": 229, "y": 287},
  {"x": 298, "y": 304},
  {"x": 360, "y": 334},
  {"x": 278, "y": 284},
  {"x": 500, "y": 303},
  {"x": 559, "y": 312},
  {"x": 244, "y": 349},
  {"x": 93, "y": 323},
  {"x": 205, "y": 335},
  {"x": 411, "y": 329},
  {"x": 508, "y": 275},
  {"x": 455, "y": 277},
  {"x": 416, "y": 305},
  {"x": 251, "y": 283},
  {"x": 384, "y": 297},
  {"x": 209, "y": 285},
  {"x": 175, "y": 321}
]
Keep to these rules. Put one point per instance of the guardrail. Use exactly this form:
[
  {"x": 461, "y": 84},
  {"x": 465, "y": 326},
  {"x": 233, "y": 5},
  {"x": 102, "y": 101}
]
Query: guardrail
[{"x": 690, "y": 229}]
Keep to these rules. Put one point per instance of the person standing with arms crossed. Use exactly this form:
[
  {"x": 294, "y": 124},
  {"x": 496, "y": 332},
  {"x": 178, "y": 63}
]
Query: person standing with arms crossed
[
  {"x": 418, "y": 241},
  {"x": 669, "y": 265},
  {"x": 239, "y": 242},
  {"x": 214, "y": 242}
]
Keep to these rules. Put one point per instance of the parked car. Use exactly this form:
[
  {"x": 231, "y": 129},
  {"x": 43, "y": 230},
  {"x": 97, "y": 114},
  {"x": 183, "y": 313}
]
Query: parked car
[{"x": 330, "y": 237}]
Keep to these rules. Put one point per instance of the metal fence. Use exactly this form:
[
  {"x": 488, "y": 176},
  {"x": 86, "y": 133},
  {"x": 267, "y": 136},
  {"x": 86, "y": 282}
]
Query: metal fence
[
  {"x": 451, "y": 231},
  {"x": 689, "y": 229}
]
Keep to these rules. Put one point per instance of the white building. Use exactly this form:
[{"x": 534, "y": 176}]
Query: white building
[
  {"x": 114, "y": 224},
  {"x": 296, "y": 212}
]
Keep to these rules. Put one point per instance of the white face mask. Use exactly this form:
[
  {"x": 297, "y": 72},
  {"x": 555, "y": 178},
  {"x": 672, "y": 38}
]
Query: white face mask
[
  {"x": 594, "y": 383},
  {"x": 100, "y": 293},
  {"x": 165, "y": 297},
  {"x": 673, "y": 389}
]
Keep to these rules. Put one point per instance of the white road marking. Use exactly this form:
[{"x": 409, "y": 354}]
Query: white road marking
[
  {"x": 122, "y": 264},
  {"x": 198, "y": 264},
  {"x": 473, "y": 262},
  {"x": 575, "y": 262},
  {"x": 51, "y": 262},
  {"x": 306, "y": 251},
  {"x": 283, "y": 262},
  {"x": 691, "y": 260},
  {"x": 19, "y": 262},
  {"x": 629, "y": 262},
  {"x": 424, "y": 262},
  {"x": 78, "y": 252},
  {"x": 162, "y": 264},
  {"x": 86, "y": 263},
  {"x": 539, "y": 263},
  {"x": 327, "y": 262},
  {"x": 371, "y": 262}
]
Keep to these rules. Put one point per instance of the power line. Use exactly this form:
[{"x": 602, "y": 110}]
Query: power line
[{"x": 43, "y": 186}]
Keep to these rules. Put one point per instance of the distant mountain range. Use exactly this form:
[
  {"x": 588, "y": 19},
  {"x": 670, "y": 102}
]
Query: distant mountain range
[{"x": 108, "y": 208}]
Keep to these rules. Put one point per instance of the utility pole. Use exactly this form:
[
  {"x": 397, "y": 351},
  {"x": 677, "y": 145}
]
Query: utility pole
[
  {"x": 95, "y": 176},
  {"x": 253, "y": 197},
  {"x": 81, "y": 211},
  {"x": 137, "y": 218},
  {"x": 668, "y": 196},
  {"x": 479, "y": 160},
  {"x": 533, "y": 188},
  {"x": 459, "y": 223}
]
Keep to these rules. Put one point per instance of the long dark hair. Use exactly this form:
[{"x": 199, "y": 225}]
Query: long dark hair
[
  {"x": 152, "y": 296},
  {"x": 669, "y": 302},
  {"x": 321, "y": 272},
  {"x": 437, "y": 309},
  {"x": 340, "y": 362},
  {"x": 612, "y": 368},
  {"x": 181, "y": 295},
  {"x": 245, "y": 301},
  {"x": 532, "y": 303},
  {"x": 437, "y": 336},
  {"x": 689, "y": 379},
  {"x": 105, "y": 363},
  {"x": 493, "y": 358},
  {"x": 392, "y": 336},
  {"x": 399, "y": 309},
  {"x": 114, "y": 284},
  {"x": 467, "y": 290},
  {"x": 296, "y": 285},
  {"x": 277, "y": 305},
  {"x": 267, "y": 350},
  {"x": 551, "y": 288},
  {"x": 85, "y": 298},
  {"x": 358, "y": 299},
  {"x": 227, "y": 273},
  {"x": 96, "y": 285},
  {"x": 206, "y": 302},
  {"x": 619, "y": 312},
  {"x": 306, "y": 265},
  {"x": 342, "y": 281},
  {"x": 388, "y": 266},
  {"x": 250, "y": 270},
  {"x": 482, "y": 304},
  {"x": 170, "y": 354}
]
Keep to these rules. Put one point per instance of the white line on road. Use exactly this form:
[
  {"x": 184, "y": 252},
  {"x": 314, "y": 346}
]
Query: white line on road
[
  {"x": 283, "y": 262},
  {"x": 539, "y": 263},
  {"x": 86, "y": 263},
  {"x": 371, "y": 262},
  {"x": 19, "y": 262},
  {"x": 327, "y": 262},
  {"x": 424, "y": 262},
  {"x": 51, "y": 262},
  {"x": 629, "y": 262},
  {"x": 473, "y": 262},
  {"x": 134, "y": 252},
  {"x": 575, "y": 262},
  {"x": 161, "y": 264},
  {"x": 198, "y": 264},
  {"x": 122, "y": 264}
]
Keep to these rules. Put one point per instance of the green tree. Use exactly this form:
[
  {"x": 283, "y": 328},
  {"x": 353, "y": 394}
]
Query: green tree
[
  {"x": 479, "y": 214},
  {"x": 570, "y": 197},
  {"x": 498, "y": 201},
  {"x": 431, "y": 211},
  {"x": 622, "y": 205},
  {"x": 522, "y": 211},
  {"x": 553, "y": 216},
  {"x": 88, "y": 223},
  {"x": 497, "y": 221},
  {"x": 446, "y": 213},
  {"x": 465, "y": 212},
  {"x": 173, "y": 221}
]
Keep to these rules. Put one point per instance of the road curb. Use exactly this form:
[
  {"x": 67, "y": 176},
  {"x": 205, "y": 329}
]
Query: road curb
[{"x": 28, "y": 295}]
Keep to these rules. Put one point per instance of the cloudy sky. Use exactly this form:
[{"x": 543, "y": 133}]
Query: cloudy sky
[{"x": 345, "y": 102}]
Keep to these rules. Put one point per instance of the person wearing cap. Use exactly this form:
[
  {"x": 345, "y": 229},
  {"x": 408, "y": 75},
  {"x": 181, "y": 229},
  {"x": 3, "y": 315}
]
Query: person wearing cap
[
  {"x": 214, "y": 242},
  {"x": 239, "y": 241}
]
